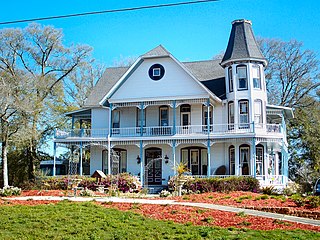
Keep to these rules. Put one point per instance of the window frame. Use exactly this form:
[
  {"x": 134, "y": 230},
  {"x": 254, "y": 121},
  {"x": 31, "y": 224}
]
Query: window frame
[
  {"x": 230, "y": 77},
  {"x": 260, "y": 159},
  {"x": 260, "y": 123},
  {"x": 154, "y": 70},
  {"x": 232, "y": 161},
  {"x": 257, "y": 67},
  {"x": 246, "y": 79},
  {"x": 113, "y": 118},
  {"x": 162, "y": 108},
  {"x": 241, "y": 123},
  {"x": 138, "y": 115},
  {"x": 231, "y": 117}
]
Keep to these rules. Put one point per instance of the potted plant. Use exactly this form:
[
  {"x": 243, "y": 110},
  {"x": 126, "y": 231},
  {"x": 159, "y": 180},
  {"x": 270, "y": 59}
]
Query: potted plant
[{"x": 180, "y": 178}]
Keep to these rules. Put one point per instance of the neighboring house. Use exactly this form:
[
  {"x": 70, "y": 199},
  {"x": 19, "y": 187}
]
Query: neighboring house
[{"x": 212, "y": 115}]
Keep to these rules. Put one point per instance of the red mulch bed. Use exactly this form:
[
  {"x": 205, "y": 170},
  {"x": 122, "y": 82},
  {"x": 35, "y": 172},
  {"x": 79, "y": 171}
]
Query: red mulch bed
[
  {"x": 268, "y": 205},
  {"x": 207, "y": 217},
  {"x": 184, "y": 214}
]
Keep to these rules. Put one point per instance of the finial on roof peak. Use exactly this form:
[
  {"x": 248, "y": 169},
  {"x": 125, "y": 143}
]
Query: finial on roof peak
[{"x": 241, "y": 21}]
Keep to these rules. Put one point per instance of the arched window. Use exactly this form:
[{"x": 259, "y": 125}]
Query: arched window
[
  {"x": 118, "y": 161},
  {"x": 258, "y": 117},
  {"x": 243, "y": 114},
  {"x": 232, "y": 159},
  {"x": 230, "y": 79},
  {"x": 259, "y": 159},
  {"x": 242, "y": 77},
  {"x": 256, "y": 77},
  {"x": 244, "y": 151},
  {"x": 231, "y": 115}
]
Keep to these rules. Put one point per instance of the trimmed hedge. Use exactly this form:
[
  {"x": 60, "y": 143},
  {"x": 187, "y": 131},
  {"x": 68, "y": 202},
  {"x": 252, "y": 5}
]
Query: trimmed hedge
[
  {"x": 124, "y": 182},
  {"x": 236, "y": 183}
]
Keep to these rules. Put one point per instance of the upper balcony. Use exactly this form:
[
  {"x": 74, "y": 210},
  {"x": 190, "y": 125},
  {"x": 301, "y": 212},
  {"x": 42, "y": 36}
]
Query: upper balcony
[{"x": 221, "y": 130}]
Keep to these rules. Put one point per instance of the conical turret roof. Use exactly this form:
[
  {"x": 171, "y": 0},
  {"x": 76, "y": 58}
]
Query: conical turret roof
[{"x": 242, "y": 44}]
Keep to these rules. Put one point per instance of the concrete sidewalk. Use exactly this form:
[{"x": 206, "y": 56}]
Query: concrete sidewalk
[{"x": 173, "y": 202}]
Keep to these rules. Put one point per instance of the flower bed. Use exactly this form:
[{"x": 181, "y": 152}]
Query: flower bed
[
  {"x": 256, "y": 201},
  {"x": 208, "y": 217}
]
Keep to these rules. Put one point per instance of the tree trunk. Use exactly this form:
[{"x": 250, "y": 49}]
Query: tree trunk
[{"x": 4, "y": 151}]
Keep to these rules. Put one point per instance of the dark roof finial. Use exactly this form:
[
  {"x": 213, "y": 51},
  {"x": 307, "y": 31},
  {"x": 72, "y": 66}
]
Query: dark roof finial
[{"x": 242, "y": 44}]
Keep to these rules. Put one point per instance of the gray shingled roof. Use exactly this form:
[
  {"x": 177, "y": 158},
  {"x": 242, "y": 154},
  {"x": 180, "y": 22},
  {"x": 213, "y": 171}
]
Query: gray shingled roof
[
  {"x": 109, "y": 78},
  {"x": 158, "y": 51},
  {"x": 242, "y": 43}
]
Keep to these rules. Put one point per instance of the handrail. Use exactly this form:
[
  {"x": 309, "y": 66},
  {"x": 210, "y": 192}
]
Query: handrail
[{"x": 192, "y": 130}]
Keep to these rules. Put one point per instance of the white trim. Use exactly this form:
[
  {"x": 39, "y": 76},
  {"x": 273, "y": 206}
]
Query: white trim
[
  {"x": 119, "y": 82},
  {"x": 133, "y": 66}
]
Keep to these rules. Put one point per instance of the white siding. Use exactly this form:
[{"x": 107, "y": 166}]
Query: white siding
[
  {"x": 100, "y": 118},
  {"x": 95, "y": 159},
  {"x": 176, "y": 82}
]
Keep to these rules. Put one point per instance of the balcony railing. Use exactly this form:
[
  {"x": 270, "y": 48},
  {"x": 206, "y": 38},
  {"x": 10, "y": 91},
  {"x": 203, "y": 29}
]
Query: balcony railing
[
  {"x": 85, "y": 133},
  {"x": 192, "y": 130}
]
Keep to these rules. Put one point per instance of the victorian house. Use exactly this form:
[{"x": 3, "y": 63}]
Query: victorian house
[{"x": 212, "y": 115}]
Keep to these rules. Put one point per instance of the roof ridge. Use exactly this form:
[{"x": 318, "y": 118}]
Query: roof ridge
[{"x": 209, "y": 60}]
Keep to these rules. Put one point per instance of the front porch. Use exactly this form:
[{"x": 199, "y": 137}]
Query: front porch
[{"x": 154, "y": 161}]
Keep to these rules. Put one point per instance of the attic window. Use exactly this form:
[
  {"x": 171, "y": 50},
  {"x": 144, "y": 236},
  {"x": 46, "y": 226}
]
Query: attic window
[{"x": 156, "y": 72}]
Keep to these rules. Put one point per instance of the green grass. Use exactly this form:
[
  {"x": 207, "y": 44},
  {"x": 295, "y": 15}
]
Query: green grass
[{"x": 68, "y": 220}]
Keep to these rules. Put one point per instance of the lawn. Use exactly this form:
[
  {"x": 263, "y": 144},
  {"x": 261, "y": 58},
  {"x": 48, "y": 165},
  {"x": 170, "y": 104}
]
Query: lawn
[{"x": 67, "y": 220}]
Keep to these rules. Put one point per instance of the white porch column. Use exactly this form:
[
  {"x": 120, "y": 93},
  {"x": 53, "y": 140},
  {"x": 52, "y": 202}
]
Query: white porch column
[
  {"x": 109, "y": 156},
  {"x": 253, "y": 171},
  {"x": 141, "y": 163},
  {"x": 54, "y": 158},
  {"x": 80, "y": 162},
  {"x": 209, "y": 158}
]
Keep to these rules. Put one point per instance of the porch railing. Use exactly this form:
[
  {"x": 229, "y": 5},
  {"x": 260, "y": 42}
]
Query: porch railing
[
  {"x": 266, "y": 180},
  {"x": 192, "y": 130}
]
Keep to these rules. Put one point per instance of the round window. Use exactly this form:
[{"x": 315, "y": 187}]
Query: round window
[{"x": 156, "y": 72}]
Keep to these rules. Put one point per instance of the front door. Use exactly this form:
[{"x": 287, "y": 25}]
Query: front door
[
  {"x": 194, "y": 161},
  {"x": 153, "y": 166}
]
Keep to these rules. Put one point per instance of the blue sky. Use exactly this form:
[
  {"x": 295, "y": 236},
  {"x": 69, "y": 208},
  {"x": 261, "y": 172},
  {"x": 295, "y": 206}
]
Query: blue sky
[{"x": 195, "y": 32}]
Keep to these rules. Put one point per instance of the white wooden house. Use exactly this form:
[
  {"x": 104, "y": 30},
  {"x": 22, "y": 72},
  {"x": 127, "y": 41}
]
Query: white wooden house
[{"x": 212, "y": 115}]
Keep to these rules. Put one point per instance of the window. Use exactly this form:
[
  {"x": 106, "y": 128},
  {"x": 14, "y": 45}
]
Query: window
[
  {"x": 242, "y": 77},
  {"x": 256, "y": 77},
  {"x": 244, "y": 159},
  {"x": 156, "y": 72},
  {"x": 243, "y": 114},
  {"x": 164, "y": 116},
  {"x": 116, "y": 119},
  {"x": 230, "y": 115},
  {"x": 139, "y": 118},
  {"x": 230, "y": 79},
  {"x": 118, "y": 161},
  {"x": 232, "y": 158},
  {"x": 258, "y": 120},
  {"x": 259, "y": 160},
  {"x": 205, "y": 117}
]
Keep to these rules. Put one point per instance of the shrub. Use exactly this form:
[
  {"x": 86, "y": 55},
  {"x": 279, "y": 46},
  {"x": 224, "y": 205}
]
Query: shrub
[
  {"x": 86, "y": 193},
  {"x": 269, "y": 190},
  {"x": 165, "y": 193},
  {"x": 314, "y": 201},
  {"x": 228, "y": 184},
  {"x": 124, "y": 182},
  {"x": 298, "y": 200},
  {"x": 10, "y": 191}
]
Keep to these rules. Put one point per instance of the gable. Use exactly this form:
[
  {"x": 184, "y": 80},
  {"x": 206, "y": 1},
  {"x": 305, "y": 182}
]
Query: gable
[{"x": 175, "y": 83}]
